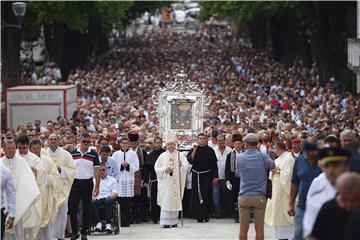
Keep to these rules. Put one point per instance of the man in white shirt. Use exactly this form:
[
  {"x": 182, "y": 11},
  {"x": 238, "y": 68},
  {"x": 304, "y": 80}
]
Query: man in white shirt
[
  {"x": 219, "y": 191},
  {"x": 8, "y": 189},
  {"x": 107, "y": 194},
  {"x": 213, "y": 141},
  {"x": 334, "y": 162}
]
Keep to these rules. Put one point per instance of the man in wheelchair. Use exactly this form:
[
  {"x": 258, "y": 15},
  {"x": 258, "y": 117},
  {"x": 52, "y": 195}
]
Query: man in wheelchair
[{"x": 105, "y": 199}]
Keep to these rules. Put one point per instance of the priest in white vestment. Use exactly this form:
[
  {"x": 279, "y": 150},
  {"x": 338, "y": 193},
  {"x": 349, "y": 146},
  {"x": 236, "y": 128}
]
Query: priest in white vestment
[
  {"x": 48, "y": 196},
  {"x": 276, "y": 209},
  {"x": 32, "y": 226},
  {"x": 171, "y": 169},
  {"x": 27, "y": 190},
  {"x": 66, "y": 168},
  {"x": 128, "y": 163}
]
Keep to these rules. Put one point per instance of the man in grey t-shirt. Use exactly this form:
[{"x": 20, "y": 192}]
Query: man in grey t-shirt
[{"x": 253, "y": 166}]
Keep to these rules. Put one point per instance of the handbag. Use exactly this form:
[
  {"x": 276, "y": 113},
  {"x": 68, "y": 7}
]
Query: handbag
[{"x": 268, "y": 182}]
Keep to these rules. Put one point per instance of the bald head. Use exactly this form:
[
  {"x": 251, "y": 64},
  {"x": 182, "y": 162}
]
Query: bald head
[
  {"x": 54, "y": 135},
  {"x": 349, "y": 180},
  {"x": 348, "y": 185},
  {"x": 54, "y": 141}
]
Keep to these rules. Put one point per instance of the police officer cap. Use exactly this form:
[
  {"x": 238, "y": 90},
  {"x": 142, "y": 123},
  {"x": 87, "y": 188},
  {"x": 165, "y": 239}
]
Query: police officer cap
[{"x": 331, "y": 155}]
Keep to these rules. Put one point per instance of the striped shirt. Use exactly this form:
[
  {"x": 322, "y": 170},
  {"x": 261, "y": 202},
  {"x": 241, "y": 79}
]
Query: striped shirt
[{"x": 85, "y": 163}]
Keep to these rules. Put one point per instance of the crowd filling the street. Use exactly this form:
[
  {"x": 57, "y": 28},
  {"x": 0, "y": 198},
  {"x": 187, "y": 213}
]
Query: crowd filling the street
[{"x": 277, "y": 147}]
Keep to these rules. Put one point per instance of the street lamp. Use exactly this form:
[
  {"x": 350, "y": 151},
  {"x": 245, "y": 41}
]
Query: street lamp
[{"x": 19, "y": 10}]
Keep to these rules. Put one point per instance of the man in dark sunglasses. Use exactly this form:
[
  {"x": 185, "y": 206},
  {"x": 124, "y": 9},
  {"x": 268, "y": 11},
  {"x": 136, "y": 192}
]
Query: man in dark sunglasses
[
  {"x": 87, "y": 166},
  {"x": 107, "y": 194}
]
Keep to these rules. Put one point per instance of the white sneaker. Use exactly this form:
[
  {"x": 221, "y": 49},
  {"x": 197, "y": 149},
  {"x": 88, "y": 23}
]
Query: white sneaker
[
  {"x": 98, "y": 227},
  {"x": 108, "y": 227}
]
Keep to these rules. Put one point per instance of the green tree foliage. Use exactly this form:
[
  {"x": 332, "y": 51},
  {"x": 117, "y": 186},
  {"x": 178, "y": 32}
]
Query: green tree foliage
[
  {"x": 75, "y": 30},
  {"x": 77, "y": 15},
  {"x": 296, "y": 30},
  {"x": 245, "y": 11}
]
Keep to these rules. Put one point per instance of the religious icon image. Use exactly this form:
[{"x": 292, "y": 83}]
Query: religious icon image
[{"x": 181, "y": 115}]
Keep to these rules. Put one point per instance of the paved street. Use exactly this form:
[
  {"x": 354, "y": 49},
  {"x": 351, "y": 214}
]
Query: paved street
[{"x": 215, "y": 229}]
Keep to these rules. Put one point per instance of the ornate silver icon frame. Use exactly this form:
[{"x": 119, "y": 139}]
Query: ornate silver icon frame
[{"x": 181, "y": 107}]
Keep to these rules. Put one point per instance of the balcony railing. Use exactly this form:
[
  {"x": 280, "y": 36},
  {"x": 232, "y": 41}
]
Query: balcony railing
[{"x": 354, "y": 55}]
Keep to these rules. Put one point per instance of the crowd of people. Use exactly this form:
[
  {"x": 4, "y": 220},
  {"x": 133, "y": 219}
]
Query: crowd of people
[
  {"x": 265, "y": 121},
  {"x": 47, "y": 74}
]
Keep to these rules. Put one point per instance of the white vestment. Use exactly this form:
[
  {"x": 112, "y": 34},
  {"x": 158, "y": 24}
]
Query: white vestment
[
  {"x": 276, "y": 209},
  {"x": 169, "y": 217},
  {"x": 126, "y": 179},
  {"x": 27, "y": 194},
  {"x": 33, "y": 225},
  {"x": 49, "y": 200},
  {"x": 65, "y": 162},
  {"x": 58, "y": 224},
  {"x": 170, "y": 187},
  {"x": 320, "y": 191}
]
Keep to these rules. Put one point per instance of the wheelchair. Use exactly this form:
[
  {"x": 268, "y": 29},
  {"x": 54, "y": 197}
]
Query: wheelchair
[{"x": 115, "y": 221}]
